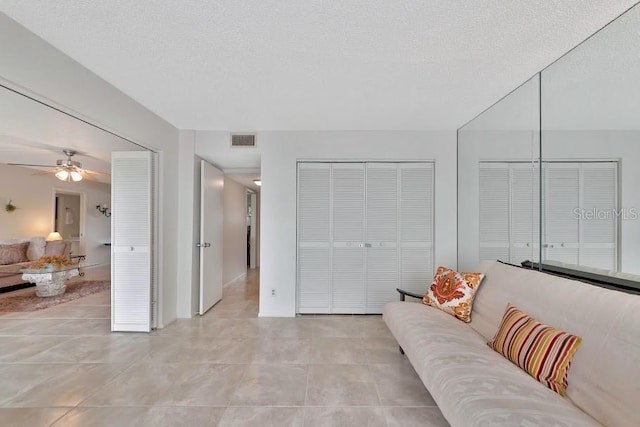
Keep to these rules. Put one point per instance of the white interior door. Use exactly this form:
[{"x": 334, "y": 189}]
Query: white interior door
[
  {"x": 211, "y": 205},
  {"x": 348, "y": 212},
  {"x": 131, "y": 238},
  {"x": 314, "y": 238},
  {"x": 415, "y": 225},
  {"x": 382, "y": 266}
]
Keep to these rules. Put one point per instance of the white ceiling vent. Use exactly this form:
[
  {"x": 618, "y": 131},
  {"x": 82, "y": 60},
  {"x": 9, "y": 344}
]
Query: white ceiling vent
[{"x": 243, "y": 140}]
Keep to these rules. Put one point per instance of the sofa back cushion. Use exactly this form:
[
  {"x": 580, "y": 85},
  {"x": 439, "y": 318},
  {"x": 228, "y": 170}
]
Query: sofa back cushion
[
  {"x": 13, "y": 254},
  {"x": 35, "y": 249},
  {"x": 59, "y": 248},
  {"x": 604, "y": 379}
]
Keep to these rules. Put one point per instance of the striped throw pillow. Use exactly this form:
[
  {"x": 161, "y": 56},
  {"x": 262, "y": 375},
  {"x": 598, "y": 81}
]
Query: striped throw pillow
[{"x": 542, "y": 351}]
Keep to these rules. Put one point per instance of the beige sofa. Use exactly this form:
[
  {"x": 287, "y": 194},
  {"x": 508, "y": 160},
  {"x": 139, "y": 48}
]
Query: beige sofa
[
  {"x": 10, "y": 273},
  {"x": 475, "y": 386}
]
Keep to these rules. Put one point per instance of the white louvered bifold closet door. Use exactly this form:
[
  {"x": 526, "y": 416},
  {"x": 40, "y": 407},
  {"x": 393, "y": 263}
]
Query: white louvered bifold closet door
[
  {"x": 348, "y": 285},
  {"x": 382, "y": 264},
  {"x": 494, "y": 211},
  {"x": 600, "y": 230},
  {"x": 131, "y": 238},
  {"x": 416, "y": 226},
  {"x": 314, "y": 233},
  {"x": 364, "y": 229}
]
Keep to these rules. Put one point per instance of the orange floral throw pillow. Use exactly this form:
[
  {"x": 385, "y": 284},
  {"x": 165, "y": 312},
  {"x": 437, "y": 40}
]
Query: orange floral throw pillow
[{"x": 453, "y": 292}]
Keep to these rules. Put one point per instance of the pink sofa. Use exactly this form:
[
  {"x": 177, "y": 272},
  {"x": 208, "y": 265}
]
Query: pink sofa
[{"x": 10, "y": 272}]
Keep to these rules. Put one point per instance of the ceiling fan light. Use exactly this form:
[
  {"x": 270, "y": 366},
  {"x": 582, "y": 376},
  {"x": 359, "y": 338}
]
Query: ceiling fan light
[
  {"x": 76, "y": 176},
  {"x": 62, "y": 175}
]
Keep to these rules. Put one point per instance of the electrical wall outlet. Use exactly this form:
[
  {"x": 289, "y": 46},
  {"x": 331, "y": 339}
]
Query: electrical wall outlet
[{"x": 273, "y": 292}]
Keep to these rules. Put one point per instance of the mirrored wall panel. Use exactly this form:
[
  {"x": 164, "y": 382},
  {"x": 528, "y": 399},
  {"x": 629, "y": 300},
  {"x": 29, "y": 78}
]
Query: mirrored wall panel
[
  {"x": 590, "y": 103},
  {"x": 498, "y": 181},
  {"x": 55, "y": 171}
]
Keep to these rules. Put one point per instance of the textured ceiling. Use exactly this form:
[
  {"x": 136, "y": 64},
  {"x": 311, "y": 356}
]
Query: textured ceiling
[{"x": 315, "y": 64}]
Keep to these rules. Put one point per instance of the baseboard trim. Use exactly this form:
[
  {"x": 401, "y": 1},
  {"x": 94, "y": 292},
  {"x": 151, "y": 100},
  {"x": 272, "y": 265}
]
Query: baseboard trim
[{"x": 242, "y": 276}]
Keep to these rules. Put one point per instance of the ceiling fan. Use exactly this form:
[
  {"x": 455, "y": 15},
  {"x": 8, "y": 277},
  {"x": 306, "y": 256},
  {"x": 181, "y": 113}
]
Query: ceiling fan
[{"x": 66, "y": 170}]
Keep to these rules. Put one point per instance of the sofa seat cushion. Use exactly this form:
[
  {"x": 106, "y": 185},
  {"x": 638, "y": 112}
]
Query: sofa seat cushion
[
  {"x": 13, "y": 268},
  {"x": 10, "y": 274},
  {"x": 472, "y": 384}
]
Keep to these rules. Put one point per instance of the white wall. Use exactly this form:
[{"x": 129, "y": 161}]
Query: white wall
[
  {"x": 235, "y": 231},
  {"x": 280, "y": 153},
  {"x": 256, "y": 211},
  {"x": 188, "y": 226},
  {"x": 32, "y": 66},
  {"x": 34, "y": 197}
]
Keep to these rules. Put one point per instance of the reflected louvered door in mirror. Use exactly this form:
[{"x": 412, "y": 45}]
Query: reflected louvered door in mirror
[
  {"x": 582, "y": 213},
  {"x": 131, "y": 238},
  {"x": 561, "y": 224},
  {"x": 601, "y": 215},
  {"x": 524, "y": 224},
  {"x": 494, "y": 211}
]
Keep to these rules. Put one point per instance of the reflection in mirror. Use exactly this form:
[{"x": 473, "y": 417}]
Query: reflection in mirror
[
  {"x": 69, "y": 219},
  {"x": 36, "y": 134},
  {"x": 590, "y": 101},
  {"x": 498, "y": 181}
]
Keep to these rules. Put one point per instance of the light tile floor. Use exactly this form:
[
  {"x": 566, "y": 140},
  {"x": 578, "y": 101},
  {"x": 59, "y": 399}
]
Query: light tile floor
[{"x": 62, "y": 367}]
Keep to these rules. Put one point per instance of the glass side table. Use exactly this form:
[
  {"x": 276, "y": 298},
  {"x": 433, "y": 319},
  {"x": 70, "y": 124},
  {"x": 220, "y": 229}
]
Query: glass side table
[
  {"x": 51, "y": 280},
  {"x": 78, "y": 259}
]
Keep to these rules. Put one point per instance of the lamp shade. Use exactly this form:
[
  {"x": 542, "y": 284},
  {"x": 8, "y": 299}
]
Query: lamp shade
[
  {"x": 52, "y": 237},
  {"x": 75, "y": 176},
  {"x": 62, "y": 175}
]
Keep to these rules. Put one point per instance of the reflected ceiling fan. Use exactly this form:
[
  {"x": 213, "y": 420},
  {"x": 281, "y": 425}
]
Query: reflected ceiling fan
[{"x": 66, "y": 170}]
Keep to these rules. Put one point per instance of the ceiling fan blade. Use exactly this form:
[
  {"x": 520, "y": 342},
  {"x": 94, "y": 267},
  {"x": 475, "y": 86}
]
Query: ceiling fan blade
[
  {"x": 88, "y": 177},
  {"x": 36, "y": 166},
  {"x": 92, "y": 172},
  {"x": 49, "y": 172}
]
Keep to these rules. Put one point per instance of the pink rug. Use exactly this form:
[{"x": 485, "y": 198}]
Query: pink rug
[{"x": 31, "y": 302}]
